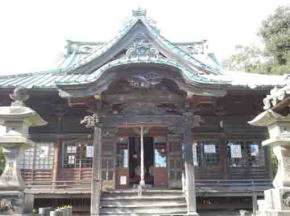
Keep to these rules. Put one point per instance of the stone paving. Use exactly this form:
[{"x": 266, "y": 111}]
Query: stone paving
[{"x": 225, "y": 213}]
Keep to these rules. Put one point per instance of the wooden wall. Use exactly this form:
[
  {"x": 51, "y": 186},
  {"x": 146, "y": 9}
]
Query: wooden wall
[{"x": 231, "y": 123}]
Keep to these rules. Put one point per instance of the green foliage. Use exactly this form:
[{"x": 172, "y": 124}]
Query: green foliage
[
  {"x": 275, "y": 32},
  {"x": 275, "y": 57},
  {"x": 274, "y": 163},
  {"x": 2, "y": 160}
]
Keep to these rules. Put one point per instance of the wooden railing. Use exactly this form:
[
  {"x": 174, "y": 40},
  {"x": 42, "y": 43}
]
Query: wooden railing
[
  {"x": 59, "y": 185},
  {"x": 46, "y": 186},
  {"x": 234, "y": 183}
]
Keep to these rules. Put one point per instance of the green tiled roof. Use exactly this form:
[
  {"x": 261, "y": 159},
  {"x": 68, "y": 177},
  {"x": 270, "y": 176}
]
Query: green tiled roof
[{"x": 198, "y": 68}]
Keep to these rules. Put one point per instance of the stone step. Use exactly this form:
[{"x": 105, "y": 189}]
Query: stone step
[
  {"x": 142, "y": 198},
  {"x": 168, "y": 210},
  {"x": 151, "y": 193},
  {"x": 149, "y": 214},
  {"x": 142, "y": 201},
  {"x": 152, "y": 202},
  {"x": 142, "y": 205}
]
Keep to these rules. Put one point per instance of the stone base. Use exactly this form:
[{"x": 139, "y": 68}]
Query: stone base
[
  {"x": 275, "y": 213},
  {"x": 277, "y": 199},
  {"x": 16, "y": 203},
  {"x": 276, "y": 203},
  {"x": 193, "y": 214}
]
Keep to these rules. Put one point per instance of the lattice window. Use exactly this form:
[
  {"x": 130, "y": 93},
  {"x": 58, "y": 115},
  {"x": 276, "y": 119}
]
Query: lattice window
[
  {"x": 77, "y": 154},
  {"x": 107, "y": 168},
  {"x": 245, "y": 153},
  {"x": 207, "y": 153},
  {"x": 175, "y": 169},
  {"x": 40, "y": 157}
]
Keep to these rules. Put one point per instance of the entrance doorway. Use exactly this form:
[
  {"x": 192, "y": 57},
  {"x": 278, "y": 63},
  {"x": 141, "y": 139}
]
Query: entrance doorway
[
  {"x": 135, "y": 160},
  {"x": 154, "y": 155}
]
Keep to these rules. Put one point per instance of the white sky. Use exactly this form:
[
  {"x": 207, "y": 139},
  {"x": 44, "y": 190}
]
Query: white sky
[{"x": 33, "y": 32}]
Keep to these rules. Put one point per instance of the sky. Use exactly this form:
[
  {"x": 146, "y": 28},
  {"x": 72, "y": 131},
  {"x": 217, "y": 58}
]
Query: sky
[{"x": 33, "y": 33}]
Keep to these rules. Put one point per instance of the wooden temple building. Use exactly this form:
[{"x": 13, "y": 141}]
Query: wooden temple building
[{"x": 140, "y": 116}]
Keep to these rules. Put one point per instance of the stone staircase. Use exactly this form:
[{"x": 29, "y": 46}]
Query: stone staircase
[{"x": 152, "y": 202}]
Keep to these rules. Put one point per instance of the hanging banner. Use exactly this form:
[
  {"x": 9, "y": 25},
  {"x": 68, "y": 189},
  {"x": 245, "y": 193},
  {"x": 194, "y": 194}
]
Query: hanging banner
[
  {"x": 236, "y": 151},
  {"x": 209, "y": 149},
  {"x": 90, "y": 151},
  {"x": 254, "y": 150}
]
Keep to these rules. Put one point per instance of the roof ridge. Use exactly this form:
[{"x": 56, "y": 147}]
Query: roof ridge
[
  {"x": 56, "y": 70},
  {"x": 101, "y": 49}
]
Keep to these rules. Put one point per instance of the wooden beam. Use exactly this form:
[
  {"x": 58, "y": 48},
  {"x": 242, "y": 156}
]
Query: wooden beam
[{"x": 141, "y": 124}]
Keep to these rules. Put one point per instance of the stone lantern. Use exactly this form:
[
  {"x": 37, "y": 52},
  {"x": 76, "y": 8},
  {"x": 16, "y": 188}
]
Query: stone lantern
[
  {"x": 277, "y": 119},
  {"x": 15, "y": 121}
]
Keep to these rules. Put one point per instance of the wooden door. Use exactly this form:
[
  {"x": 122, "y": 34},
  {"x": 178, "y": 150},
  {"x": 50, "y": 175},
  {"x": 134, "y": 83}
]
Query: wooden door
[
  {"x": 108, "y": 163},
  {"x": 175, "y": 166},
  {"x": 160, "y": 162}
]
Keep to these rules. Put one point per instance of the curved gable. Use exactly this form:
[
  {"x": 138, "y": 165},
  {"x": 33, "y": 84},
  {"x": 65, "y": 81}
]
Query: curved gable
[{"x": 139, "y": 28}]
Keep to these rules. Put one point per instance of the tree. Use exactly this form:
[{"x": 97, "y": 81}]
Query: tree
[
  {"x": 246, "y": 59},
  {"x": 275, "y": 57},
  {"x": 275, "y": 32}
]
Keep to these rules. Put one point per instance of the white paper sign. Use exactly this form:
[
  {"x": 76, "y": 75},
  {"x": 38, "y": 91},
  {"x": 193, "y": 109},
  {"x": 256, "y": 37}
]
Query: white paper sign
[
  {"x": 71, "y": 149},
  {"x": 209, "y": 149},
  {"x": 43, "y": 151},
  {"x": 2, "y": 130},
  {"x": 195, "y": 162},
  {"x": 236, "y": 151},
  {"x": 125, "y": 159},
  {"x": 254, "y": 149},
  {"x": 71, "y": 159},
  {"x": 90, "y": 151},
  {"x": 123, "y": 180}
]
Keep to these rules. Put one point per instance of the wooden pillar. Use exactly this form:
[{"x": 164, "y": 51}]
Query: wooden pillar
[
  {"x": 224, "y": 157},
  {"x": 189, "y": 170},
  {"x": 59, "y": 113},
  {"x": 96, "y": 176},
  {"x": 142, "y": 181},
  {"x": 57, "y": 160}
]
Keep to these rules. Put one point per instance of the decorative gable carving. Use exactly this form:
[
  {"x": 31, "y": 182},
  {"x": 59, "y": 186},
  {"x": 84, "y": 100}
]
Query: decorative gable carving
[{"x": 142, "y": 48}]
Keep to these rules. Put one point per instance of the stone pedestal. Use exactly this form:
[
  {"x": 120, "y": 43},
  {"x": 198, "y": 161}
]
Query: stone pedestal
[
  {"x": 15, "y": 202},
  {"x": 277, "y": 199},
  {"x": 15, "y": 121}
]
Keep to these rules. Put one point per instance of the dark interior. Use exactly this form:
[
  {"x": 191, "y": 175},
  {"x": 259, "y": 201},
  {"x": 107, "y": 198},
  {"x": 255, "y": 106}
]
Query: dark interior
[{"x": 134, "y": 160}]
